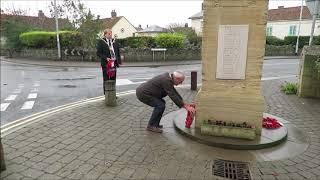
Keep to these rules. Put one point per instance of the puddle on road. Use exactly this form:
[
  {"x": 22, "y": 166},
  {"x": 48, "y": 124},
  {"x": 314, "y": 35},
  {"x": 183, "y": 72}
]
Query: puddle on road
[{"x": 67, "y": 86}]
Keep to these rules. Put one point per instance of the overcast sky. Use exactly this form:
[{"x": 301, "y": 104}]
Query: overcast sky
[{"x": 145, "y": 12}]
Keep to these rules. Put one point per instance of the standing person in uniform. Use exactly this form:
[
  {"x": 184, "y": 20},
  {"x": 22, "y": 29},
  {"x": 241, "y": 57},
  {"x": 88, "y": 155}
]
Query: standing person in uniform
[
  {"x": 108, "y": 50},
  {"x": 153, "y": 91}
]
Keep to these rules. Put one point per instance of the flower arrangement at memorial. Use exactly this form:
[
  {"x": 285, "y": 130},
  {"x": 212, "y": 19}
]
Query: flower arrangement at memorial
[
  {"x": 271, "y": 123},
  {"x": 230, "y": 124}
]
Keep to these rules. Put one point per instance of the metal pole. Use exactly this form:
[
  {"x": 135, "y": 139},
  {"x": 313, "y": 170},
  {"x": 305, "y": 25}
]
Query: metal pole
[
  {"x": 57, "y": 29},
  {"x": 315, "y": 13},
  {"x": 297, "y": 44},
  {"x": 193, "y": 80}
]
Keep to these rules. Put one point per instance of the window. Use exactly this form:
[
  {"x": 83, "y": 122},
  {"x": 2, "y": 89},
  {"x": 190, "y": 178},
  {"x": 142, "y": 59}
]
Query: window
[
  {"x": 269, "y": 31},
  {"x": 122, "y": 30},
  {"x": 292, "y": 30}
]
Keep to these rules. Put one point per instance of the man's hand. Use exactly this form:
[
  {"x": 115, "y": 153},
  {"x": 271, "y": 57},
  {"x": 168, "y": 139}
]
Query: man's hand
[{"x": 189, "y": 108}]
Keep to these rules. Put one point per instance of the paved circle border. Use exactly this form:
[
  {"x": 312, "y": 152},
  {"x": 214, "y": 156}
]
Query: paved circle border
[{"x": 227, "y": 145}]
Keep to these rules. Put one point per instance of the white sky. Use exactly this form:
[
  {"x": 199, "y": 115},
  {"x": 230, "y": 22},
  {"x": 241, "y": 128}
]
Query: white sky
[{"x": 144, "y": 12}]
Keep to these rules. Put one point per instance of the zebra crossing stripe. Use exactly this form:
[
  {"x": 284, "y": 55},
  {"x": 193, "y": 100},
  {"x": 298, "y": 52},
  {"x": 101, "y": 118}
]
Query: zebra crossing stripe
[
  {"x": 11, "y": 98},
  {"x": 28, "y": 105},
  {"x": 4, "y": 106},
  {"x": 32, "y": 96}
]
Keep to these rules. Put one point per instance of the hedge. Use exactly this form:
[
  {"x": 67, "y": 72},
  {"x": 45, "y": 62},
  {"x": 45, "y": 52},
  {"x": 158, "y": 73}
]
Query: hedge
[
  {"x": 138, "y": 42},
  {"x": 44, "y": 39},
  {"x": 272, "y": 40},
  {"x": 170, "y": 40},
  {"x": 292, "y": 40}
]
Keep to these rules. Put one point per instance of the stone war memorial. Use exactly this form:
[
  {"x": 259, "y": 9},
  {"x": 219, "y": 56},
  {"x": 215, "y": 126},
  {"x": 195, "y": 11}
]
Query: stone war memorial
[
  {"x": 233, "y": 50},
  {"x": 230, "y": 105}
]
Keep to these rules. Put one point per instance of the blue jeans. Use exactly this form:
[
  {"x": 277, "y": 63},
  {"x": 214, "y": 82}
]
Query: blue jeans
[{"x": 159, "y": 107}]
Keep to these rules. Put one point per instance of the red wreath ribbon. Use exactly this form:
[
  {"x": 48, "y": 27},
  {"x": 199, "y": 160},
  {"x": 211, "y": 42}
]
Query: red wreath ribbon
[
  {"x": 111, "y": 69},
  {"x": 271, "y": 123},
  {"x": 189, "y": 118}
]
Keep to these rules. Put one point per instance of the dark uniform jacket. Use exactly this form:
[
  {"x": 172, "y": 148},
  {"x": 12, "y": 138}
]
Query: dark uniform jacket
[
  {"x": 159, "y": 87},
  {"x": 103, "y": 52}
]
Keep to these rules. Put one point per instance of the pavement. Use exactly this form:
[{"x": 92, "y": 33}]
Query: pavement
[{"x": 88, "y": 140}]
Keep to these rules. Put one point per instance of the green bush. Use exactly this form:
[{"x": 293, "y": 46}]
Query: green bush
[
  {"x": 170, "y": 40},
  {"x": 290, "y": 88},
  {"x": 316, "y": 40},
  {"x": 11, "y": 28},
  {"x": 70, "y": 39},
  {"x": 44, "y": 39},
  {"x": 272, "y": 40},
  {"x": 292, "y": 40},
  {"x": 137, "y": 42},
  {"x": 195, "y": 40}
]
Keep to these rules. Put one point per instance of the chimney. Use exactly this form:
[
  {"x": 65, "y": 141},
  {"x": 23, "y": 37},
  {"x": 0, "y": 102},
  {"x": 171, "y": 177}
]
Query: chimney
[
  {"x": 41, "y": 14},
  {"x": 147, "y": 25},
  {"x": 280, "y": 7},
  {"x": 186, "y": 25},
  {"x": 113, "y": 14},
  {"x": 201, "y": 6},
  {"x": 139, "y": 26}
]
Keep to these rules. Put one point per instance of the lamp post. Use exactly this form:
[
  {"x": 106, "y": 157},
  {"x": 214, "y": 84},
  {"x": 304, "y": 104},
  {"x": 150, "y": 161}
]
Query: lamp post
[
  {"x": 297, "y": 43},
  {"x": 57, "y": 29},
  {"x": 313, "y": 6}
]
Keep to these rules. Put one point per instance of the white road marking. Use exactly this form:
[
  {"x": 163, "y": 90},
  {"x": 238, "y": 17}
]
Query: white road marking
[
  {"x": 28, "y": 105},
  {"x": 280, "y": 77},
  {"x": 35, "y": 90},
  {"x": 4, "y": 106},
  {"x": 17, "y": 91},
  {"x": 277, "y": 64},
  {"x": 32, "y": 95},
  {"x": 121, "y": 82},
  {"x": 21, "y": 85},
  {"x": 11, "y": 98}
]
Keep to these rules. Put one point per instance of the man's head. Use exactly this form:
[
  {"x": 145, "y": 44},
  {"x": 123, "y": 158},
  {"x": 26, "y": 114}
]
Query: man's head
[
  {"x": 107, "y": 33},
  {"x": 178, "y": 78}
]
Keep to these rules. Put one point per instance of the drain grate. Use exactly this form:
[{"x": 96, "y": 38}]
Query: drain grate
[{"x": 231, "y": 169}]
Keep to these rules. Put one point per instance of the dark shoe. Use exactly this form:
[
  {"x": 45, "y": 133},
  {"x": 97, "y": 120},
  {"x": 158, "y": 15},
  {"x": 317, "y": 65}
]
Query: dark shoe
[
  {"x": 160, "y": 126},
  {"x": 154, "y": 129}
]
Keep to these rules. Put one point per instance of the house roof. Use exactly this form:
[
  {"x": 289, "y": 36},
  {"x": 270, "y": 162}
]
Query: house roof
[
  {"x": 110, "y": 22},
  {"x": 198, "y": 15},
  {"x": 44, "y": 22},
  {"x": 280, "y": 14},
  {"x": 152, "y": 29},
  {"x": 290, "y": 13},
  {"x": 138, "y": 28}
]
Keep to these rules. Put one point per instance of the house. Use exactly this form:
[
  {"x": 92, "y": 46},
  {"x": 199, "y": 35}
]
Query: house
[
  {"x": 41, "y": 21},
  {"x": 282, "y": 22},
  {"x": 197, "y": 22},
  {"x": 120, "y": 26},
  {"x": 151, "y": 31}
]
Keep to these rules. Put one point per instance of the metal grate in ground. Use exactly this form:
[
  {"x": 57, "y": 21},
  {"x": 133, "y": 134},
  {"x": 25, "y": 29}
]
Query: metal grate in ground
[{"x": 231, "y": 169}]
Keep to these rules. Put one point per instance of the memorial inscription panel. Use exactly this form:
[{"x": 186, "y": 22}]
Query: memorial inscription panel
[{"x": 232, "y": 51}]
